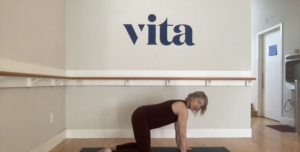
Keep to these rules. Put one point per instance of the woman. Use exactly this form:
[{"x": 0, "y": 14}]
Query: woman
[{"x": 154, "y": 116}]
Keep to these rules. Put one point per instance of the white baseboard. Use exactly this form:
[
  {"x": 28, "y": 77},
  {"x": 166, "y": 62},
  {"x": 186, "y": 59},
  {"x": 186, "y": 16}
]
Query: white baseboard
[
  {"x": 287, "y": 121},
  {"x": 48, "y": 145},
  {"x": 22, "y": 67},
  {"x": 159, "y": 133}
]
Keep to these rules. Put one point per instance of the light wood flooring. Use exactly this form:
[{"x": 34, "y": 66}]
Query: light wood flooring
[{"x": 264, "y": 140}]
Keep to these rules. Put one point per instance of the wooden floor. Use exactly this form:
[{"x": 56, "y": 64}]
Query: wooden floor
[{"x": 264, "y": 140}]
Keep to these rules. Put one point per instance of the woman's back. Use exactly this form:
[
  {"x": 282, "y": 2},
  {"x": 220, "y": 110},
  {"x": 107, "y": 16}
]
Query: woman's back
[{"x": 158, "y": 115}]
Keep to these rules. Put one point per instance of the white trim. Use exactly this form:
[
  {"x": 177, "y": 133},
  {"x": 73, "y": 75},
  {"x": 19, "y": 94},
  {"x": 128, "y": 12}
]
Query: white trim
[
  {"x": 160, "y": 73},
  {"x": 22, "y": 67},
  {"x": 20, "y": 82},
  {"x": 13, "y": 82},
  {"x": 156, "y": 73},
  {"x": 50, "y": 144},
  {"x": 168, "y": 83},
  {"x": 258, "y": 68},
  {"x": 288, "y": 121},
  {"x": 159, "y": 133}
]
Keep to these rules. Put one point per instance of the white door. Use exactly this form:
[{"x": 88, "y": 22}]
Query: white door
[{"x": 272, "y": 76}]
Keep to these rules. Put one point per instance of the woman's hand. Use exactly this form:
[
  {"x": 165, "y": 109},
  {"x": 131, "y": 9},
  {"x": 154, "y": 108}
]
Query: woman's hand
[{"x": 186, "y": 148}]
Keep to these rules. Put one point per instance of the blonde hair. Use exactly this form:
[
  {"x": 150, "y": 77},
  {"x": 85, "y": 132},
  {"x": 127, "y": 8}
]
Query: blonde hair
[{"x": 198, "y": 94}]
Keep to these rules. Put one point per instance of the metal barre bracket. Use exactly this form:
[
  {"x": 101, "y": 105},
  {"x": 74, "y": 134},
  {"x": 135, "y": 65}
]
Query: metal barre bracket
[
  {"x": 207, "y": 82},
  {"x": 57, "y": 81},
  {"x": 34, "y": 80},
  {"x": 247, "y": 82},
  {"x": 126, "y": 82},
  {"x": 65, "y": 81},
  {"x": 79, "y": 82},
  {"x": 168, "y": 82}
]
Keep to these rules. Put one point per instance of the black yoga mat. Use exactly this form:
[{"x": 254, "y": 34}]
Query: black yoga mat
[
  {"x": 170, "y": 149},
  {"x": 282, "y": 128}
]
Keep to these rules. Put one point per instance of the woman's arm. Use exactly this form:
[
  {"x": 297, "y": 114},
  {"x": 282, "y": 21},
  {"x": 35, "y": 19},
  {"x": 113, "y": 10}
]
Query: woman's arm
[
  {"x": 182, "y": 122},
  {"x": 177, "y": 135}
]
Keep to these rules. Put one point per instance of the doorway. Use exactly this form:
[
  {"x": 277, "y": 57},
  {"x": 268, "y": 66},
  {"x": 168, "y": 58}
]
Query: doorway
[{"x": 270, "y": 76}]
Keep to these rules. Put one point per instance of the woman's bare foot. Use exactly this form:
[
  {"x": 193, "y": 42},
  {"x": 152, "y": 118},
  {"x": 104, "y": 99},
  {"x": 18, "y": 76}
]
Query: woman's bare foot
[
  {"x": 113, "y": 147},
  {"x": 107, "y": 149}
]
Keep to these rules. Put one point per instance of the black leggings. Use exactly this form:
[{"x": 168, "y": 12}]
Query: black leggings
[{"x": 142, "y": 134}]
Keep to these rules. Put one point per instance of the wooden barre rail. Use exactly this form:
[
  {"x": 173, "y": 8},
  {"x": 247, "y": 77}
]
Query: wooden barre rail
[
  {"x": 163, "y": 78},
  {"x": 13, "y": 74}
]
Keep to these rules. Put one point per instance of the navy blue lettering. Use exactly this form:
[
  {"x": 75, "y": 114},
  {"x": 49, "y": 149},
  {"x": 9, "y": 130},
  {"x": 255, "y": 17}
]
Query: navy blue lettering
[
  {"x": 141, "y": 26},
  {"x": 188, "y": 35},
  {"x": 152, "y": 30},
  {"x": 164, "y": 32},
  {"x": 131, "y": 32}
]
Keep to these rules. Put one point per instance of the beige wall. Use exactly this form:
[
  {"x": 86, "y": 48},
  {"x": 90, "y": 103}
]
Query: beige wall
[
  {"x": 97, "y": 40},
  {"x": 286, "y": 12},
  {"x": 31, "y": 31},
  {"x": 25, "y": 117},
  {"x": 111, "y": 107}
]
